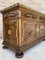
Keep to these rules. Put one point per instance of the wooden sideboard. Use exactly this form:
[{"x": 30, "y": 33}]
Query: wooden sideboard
[{"x": 23, "y": 27}]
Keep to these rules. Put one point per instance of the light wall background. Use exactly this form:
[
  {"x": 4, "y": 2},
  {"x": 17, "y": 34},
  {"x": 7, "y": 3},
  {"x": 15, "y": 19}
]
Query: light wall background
[{"x": 38, "y": 5}]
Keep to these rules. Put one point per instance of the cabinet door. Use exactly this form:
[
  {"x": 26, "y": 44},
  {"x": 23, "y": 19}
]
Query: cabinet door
[
  {"x": 28, "y": 32},
  {"x": 11, "y": 32}
]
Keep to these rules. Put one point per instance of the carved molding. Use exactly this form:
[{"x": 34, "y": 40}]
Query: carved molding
[
  {"x": 11, "y": 32},
  {"x": 30, "y": 15},
  {"x": 42, "y": 18},
  {"x": 13, "y": 14}
]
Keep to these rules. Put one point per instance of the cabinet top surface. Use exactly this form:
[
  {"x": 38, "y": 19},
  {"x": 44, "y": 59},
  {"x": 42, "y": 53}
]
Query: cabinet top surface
[{"x": 17, "y": 5}]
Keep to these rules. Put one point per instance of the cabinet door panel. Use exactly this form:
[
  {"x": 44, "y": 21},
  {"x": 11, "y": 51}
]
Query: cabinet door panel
[
  {"x": 28, "y": 32},
  {"x": 40, "y": 30},
  {"x": 11, "y": 32}
]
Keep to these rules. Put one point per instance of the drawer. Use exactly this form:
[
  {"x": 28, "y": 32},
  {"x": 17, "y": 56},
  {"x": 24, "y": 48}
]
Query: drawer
[
  {"x": 42, "y": 19},
  {"x": 28, "y": 15},
  {"x": 9, "y": 21}
]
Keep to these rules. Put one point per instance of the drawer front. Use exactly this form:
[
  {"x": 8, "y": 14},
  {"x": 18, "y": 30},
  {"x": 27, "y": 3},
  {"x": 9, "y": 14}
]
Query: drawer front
[
  {"x": 11, "y": 32},
  {"x": 28, "y": 31}
]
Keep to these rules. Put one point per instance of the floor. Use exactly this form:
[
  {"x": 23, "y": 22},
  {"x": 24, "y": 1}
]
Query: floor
[{"x": 35, "y": 53}]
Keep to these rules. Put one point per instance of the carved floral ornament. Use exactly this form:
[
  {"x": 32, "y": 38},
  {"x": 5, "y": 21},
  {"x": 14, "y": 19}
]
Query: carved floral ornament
[
  {"x": 12, "y": 14},
  {"x": 42, "y": 18},
  {"x": 26, "y": 14},
  {"x": 30, "y": 15}
]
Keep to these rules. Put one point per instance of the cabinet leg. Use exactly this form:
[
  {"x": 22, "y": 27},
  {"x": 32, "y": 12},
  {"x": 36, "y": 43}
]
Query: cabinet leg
[
  {"x": 4, "y": 47},
  {"x": 19, "y": 55}
]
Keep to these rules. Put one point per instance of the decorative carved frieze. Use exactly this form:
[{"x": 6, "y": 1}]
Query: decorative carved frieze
[
  {"x": 11, "y": 15},
  {"x": 42, "y": 18},
  {"x": 30, "y": 15}
]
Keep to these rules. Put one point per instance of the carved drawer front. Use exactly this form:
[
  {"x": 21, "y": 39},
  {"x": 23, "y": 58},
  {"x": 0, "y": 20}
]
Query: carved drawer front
[
  {"x": 28, "y": 32},
  {"x": 11, "y": 32}
]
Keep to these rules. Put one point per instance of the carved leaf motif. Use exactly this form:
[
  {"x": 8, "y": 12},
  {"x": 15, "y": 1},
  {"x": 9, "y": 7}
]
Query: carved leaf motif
[
  {"x": 42, "y": 18},
  {"x": 13, "y": 14},
  {"x": 30, "y": 15},
  {"x": 27, "y": 15}
]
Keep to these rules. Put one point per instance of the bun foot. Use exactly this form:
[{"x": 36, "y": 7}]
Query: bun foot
[
  {"x": 19, "y": 55},
  {"x": 43, "y": 39},
  {"x": 4, "y": 47}
]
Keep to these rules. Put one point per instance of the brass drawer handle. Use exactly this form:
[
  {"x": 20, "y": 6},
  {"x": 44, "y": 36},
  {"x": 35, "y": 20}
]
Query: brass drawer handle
[{"x": 9, "y": 32}]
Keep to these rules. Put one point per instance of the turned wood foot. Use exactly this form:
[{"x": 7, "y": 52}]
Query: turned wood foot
[
  {"x": 19, "y": 55},
  {"x": 4, "y": 47},
  {"x": 43, "y": 39}
]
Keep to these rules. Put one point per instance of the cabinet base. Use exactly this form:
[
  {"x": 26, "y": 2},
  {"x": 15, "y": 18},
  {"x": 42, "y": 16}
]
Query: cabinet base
[{"x": 19, "y": 55}]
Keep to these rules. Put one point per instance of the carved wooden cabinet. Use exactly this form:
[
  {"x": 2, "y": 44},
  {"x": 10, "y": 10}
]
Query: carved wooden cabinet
[{"x": 22, "y": 28}]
